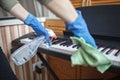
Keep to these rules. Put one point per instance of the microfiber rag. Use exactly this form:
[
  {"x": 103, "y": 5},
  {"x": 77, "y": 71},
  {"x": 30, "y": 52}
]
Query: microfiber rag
[{"x": 87, "y": 55}]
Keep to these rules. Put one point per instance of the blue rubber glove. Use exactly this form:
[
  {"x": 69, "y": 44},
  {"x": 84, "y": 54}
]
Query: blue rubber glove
[
  {"x": 79, "y": 29},
  {"x": 37, "y": 27}
]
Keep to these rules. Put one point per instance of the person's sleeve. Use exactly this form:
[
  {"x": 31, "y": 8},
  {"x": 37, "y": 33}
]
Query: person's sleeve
[
  {"x": 44, "y": 1},
  {"x": 8, "y": 4}
]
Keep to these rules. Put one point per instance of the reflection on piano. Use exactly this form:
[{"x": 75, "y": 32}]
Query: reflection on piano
[{"x": 103, "y": 23}]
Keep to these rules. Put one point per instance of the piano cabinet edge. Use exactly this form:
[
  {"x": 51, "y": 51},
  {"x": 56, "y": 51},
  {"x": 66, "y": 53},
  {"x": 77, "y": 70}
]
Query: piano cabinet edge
[{"x": 64, "y": 70}]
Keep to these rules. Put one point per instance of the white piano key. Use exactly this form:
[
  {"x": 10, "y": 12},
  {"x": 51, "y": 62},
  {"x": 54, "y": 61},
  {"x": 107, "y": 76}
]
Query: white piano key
[
  {"x": 100, "y": 48},
  {"x": 118, "y": 53},
  {"x": 112, "y": 57},
  {"x": 63, "y": 47},
  {"x": 106, "y": 50},
  {"x": 118, "y": 57}
]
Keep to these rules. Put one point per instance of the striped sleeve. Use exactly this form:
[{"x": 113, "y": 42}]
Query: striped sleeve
[
  {"x": 44, "y": 1},
  {"x": 8, "y": 4}
]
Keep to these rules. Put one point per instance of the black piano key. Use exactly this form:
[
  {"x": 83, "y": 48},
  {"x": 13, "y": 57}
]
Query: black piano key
[
  {"x": 104, "y": 49},
  {"x": 113, "y": 52},
  {"x": 67, "y": 43},
  {"x": 57, "y": 41},
  {"x": 117, "y": 53},
  {"x": 63, "y": 43},
  {"x": 76, "y": 46},
  {"x": 109, "y": 51}
]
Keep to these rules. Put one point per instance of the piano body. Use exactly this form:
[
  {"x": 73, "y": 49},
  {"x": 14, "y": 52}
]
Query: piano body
[{"x": 104, "y": 25}]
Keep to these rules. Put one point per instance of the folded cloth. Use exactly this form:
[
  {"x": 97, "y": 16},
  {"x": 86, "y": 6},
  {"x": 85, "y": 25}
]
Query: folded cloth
[{"x": 87, "y": 55}]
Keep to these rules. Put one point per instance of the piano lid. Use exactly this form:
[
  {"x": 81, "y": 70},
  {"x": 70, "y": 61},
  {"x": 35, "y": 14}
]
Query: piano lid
[{"x": 102, "y": 20}]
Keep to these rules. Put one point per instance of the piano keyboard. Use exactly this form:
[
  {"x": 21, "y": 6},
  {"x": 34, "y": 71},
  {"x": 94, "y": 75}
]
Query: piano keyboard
[
  {"x": 112, "y": 54},
  {"x": 65, "y": 46}
]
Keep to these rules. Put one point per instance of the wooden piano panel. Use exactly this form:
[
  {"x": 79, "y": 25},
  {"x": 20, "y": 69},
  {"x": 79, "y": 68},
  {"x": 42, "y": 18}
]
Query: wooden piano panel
[
  {"x": 57, "y": 26},
  {"x": 63, "y": 69},
  {"x": 92, "y": 73},
  {"x": 104, "y": 2},
  {"x": 77, "y": 3}
]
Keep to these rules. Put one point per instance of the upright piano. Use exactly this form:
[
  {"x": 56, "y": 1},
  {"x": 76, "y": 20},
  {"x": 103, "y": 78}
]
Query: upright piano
[{"x": 104, "y": 25}]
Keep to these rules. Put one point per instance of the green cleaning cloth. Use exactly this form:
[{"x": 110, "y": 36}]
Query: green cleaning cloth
[{"x": 87, "y": 55}]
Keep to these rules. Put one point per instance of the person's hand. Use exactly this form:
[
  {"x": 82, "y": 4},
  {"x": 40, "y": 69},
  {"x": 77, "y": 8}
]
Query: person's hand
[
  {"x": 79, "y": 29},
  {"x": 37, "y": 27}
]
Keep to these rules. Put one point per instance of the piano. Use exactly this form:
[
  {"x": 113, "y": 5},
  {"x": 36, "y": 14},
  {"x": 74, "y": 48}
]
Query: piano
[{"x": 104, "y": 25}]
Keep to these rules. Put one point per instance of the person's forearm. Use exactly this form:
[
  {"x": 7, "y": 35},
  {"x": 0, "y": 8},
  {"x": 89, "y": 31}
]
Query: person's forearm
[
  {"x": 19, "y": 12},
  {"x": 63, "y": 9}
]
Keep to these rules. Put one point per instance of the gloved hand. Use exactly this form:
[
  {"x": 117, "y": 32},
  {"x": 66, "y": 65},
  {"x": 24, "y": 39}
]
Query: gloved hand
[
  {"x": 37, "y": 27},
  {"x": 79, "y": 29}
]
